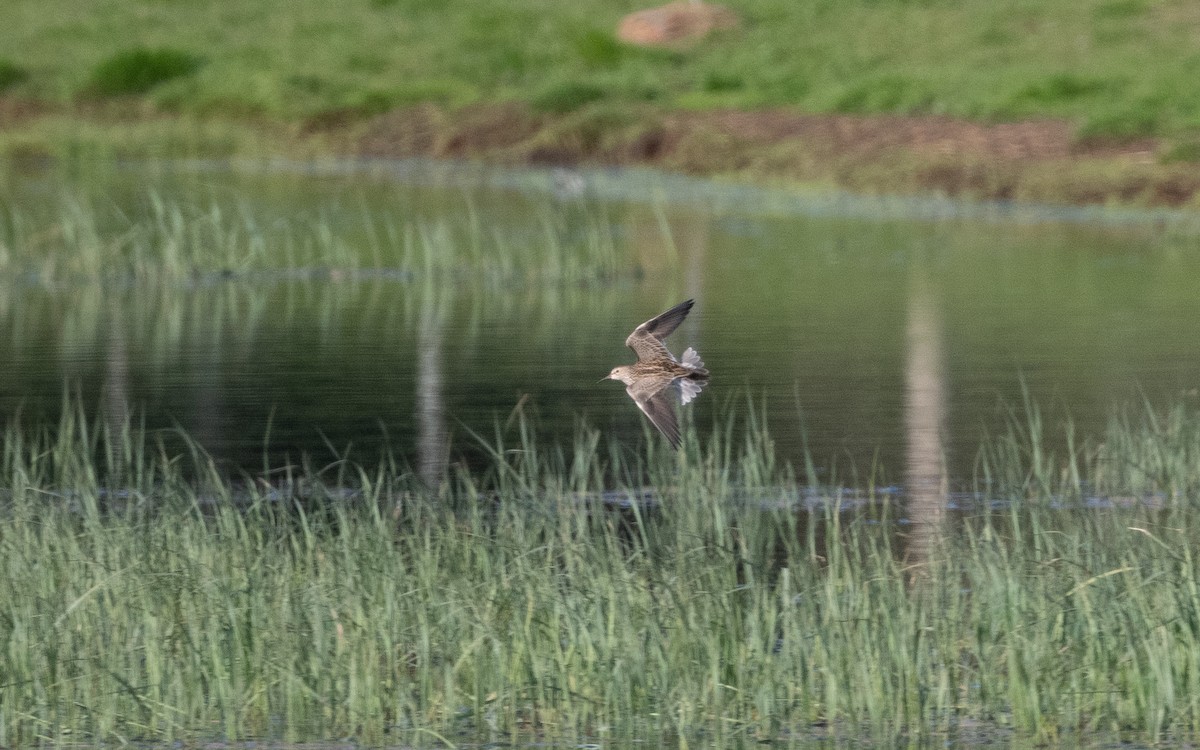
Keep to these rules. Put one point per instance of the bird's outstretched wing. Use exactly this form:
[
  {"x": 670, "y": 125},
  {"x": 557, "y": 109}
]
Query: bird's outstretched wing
[
  {"x": 647, "y": 339},
  {"x": 657, "y": 401}
]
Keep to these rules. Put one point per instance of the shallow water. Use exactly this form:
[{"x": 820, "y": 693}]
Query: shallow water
[{"x": 881, "y": 335}]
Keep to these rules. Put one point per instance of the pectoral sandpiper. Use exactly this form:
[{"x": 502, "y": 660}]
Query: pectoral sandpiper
[{"x": 657, "y": 377}]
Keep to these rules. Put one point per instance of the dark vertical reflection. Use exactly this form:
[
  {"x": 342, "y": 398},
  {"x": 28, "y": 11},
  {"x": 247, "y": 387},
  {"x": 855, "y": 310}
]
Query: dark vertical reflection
[
  {"x": 924, "y": 421},
  {"x": 115, "y": 398},
  {"x": 692, "y": 238},
  {"x": 432, "y": 438},
  {"x": 210, "y": 353},
  {"x": 672, "y": 246}
]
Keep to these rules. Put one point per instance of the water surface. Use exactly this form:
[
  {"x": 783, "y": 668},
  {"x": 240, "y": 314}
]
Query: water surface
[{"x": 880, "y": 336}]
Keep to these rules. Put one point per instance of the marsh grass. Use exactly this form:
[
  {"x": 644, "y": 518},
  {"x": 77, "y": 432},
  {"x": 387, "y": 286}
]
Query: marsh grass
[
  {"x": 163, "y": 239},
  {"x": 138, "y": 604},
  {"x": 1145, "y": 454}
]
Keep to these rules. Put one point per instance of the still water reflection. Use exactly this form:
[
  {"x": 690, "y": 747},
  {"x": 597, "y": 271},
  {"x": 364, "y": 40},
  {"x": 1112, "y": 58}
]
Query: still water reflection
[{"x": 886, "y": 345}]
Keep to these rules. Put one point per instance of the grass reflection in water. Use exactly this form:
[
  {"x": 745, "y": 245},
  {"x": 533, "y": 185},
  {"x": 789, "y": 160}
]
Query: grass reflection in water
[{"x": 89, "y": 239}]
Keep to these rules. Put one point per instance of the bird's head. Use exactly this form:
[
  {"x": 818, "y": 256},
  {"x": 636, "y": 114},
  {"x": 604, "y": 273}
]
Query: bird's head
[{"x": 622, "y": 373}]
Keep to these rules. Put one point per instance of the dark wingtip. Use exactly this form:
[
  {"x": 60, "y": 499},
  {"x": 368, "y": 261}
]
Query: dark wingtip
[
  {"x": 661, "y": 325},
  {"x": 686, "y": 306}
]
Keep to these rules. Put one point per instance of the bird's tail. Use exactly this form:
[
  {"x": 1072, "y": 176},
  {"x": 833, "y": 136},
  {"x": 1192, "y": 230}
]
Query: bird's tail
[
  {"x": 692, "y": 359},
  {"x": 690, "y": 386}
]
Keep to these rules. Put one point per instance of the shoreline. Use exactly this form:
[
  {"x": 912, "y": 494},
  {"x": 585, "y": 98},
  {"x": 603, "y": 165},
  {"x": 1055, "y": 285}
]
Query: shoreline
[{"x": 1037, "y": 161}]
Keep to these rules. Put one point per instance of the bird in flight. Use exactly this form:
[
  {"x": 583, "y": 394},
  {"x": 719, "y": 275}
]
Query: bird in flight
[{"x": 657, "y": 378}]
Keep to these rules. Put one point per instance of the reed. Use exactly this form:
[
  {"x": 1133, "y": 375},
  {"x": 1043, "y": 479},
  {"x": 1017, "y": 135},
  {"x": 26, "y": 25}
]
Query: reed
[
  {"x": 1145, "y": 454},
  {"x": 146, "y": 597}
]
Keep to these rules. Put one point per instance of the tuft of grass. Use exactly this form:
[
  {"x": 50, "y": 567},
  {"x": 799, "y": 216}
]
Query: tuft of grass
[
  {"x": 407, "y": 5},
  {"x": 599, "y": 49},
  {"x": 887, "y": 93},
  {"x": 566, "y": 97},
  {"x": 1187, "y": 152},
  {"x": 1145, "y": 454},
  {"x": 1121, "y": 125},
  {"x": 11, "y": 75},
  {"x": 138, "y": 70},
  {"x": 1150, "y": 452},
  {"x": 1120, "y": 10},
  {"x": 67, "y": 139},
  {"x": 717, "y": 81},
  {"x": 1063, "y": 87}
]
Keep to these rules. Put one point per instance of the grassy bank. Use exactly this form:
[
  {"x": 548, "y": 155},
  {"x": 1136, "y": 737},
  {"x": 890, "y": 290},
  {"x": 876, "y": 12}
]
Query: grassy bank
[
  {"x": 1117, "y": 67},
  {"x": 547, "y": 81},
  {"x": 140, "y": 605}
]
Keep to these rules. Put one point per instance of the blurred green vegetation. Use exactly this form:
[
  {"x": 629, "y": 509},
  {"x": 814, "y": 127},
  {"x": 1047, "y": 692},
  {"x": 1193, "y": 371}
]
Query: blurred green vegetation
[
  {"x": 1122, "y": 68},
  {"x": 11, "y": 75},
  {"x": 138, "y": 70}
]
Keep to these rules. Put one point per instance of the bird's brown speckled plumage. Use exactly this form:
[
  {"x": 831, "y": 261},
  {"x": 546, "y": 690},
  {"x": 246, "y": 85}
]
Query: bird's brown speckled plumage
[{"x": 657, "y": 378}]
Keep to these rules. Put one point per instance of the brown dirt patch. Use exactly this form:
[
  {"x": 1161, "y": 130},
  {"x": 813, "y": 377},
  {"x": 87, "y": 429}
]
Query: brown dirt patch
[
  {"x": 931, "y": 136},
  {"x": 677, "y": 23},
  {"x": 14, "y": 111}
]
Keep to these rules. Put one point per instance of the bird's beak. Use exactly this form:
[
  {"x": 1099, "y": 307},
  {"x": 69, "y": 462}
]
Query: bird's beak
[{"x": 601, "y": 380}]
